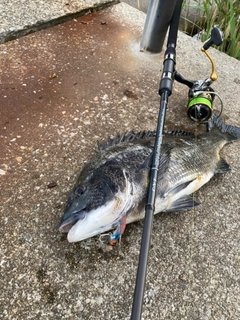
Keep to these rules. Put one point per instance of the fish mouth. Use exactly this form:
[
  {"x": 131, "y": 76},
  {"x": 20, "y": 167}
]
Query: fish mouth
[{"x": 67, "y": 223}]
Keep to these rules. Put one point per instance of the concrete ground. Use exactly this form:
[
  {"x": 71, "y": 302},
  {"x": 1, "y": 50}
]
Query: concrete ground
[
  {"x": 21, "y": 17},
  {"x": 63, "y": 89}
]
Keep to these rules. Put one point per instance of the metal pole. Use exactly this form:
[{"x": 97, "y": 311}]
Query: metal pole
[
  {"x": 165, "y": 91},
  {"x": 158, "y": 17}
]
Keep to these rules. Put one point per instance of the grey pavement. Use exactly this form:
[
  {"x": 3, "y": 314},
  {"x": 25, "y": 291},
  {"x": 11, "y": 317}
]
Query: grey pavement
[
  {"x": 21, "y": 17},
  {"x": 62, "y": 90}
]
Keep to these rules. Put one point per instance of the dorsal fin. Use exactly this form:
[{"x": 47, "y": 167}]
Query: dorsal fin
[
  {"x": 179, "y": 133},
  {"x": 132, "y": 136},
  {"x": 126, "y": 137}
]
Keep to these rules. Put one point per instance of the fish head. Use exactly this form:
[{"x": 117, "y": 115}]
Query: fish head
[{"x": 96, "y": 205}]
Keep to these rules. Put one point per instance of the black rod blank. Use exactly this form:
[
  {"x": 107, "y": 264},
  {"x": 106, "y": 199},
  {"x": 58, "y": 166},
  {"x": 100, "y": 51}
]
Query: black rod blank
[
  {"x": 147, "y": 228},
  {"x": 165, "y": 91}
]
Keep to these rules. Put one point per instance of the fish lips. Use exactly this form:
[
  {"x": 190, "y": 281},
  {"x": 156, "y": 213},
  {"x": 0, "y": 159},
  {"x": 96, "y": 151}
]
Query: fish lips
[{"x": 67, "y": 222}]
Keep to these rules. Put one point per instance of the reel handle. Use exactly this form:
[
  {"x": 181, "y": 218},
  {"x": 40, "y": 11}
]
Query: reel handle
[{"x": 216, "y": 38}]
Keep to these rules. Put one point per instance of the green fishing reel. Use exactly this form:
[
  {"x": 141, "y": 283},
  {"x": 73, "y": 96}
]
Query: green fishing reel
[
  {"x": 200, "y": 103},
  {"x": 201, "y": 95}
]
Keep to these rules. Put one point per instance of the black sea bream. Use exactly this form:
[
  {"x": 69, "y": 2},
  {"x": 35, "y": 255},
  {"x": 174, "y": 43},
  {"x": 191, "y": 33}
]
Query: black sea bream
[{"x": 112, "y": 188}]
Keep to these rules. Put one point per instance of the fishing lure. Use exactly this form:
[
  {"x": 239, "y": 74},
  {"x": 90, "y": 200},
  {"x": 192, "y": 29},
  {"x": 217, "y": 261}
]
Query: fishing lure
[{"x": 117, "y": 233}]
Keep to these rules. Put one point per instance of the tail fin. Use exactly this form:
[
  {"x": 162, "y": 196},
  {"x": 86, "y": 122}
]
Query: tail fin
[{"x": 233, "y": 132}]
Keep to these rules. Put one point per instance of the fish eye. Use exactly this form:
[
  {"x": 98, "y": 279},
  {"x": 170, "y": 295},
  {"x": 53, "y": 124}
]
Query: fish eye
[{"x": 80, "y": 190}]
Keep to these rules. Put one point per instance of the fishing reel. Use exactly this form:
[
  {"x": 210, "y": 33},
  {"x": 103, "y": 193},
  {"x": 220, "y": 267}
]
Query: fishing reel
[
  {"x": 200, "y": 102},
  {"x": 201, "y": 95}
]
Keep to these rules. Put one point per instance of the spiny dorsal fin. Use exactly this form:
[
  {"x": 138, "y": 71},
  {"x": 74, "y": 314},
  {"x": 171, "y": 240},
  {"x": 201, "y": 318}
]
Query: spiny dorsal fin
[
  {"x": 127, "y": 137},
  {"x": 132, "y": 136},
  {"x": 179, "y": 133}
]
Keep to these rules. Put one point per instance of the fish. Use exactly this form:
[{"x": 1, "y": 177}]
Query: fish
[{"x": 111, "y": 190}]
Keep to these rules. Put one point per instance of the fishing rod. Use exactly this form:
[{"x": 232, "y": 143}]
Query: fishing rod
[
  {"x": 199, "y": 109},
  {"x": 165, "y": 91}
]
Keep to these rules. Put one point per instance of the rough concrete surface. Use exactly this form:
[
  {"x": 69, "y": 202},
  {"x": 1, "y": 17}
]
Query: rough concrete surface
[
  {"x": 62, "y": 89},
  {"x": 21, "y": 17}
]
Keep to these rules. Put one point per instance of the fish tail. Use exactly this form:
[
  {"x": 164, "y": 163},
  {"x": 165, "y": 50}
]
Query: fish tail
[{"x": 232, "y": 132}]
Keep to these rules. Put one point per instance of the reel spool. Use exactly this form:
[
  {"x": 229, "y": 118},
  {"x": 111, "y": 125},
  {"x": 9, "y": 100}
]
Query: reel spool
[{"x": 199, "y": 108}]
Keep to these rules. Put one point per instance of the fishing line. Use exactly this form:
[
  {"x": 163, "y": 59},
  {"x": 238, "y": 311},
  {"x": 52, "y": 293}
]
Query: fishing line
[
  {"x": 193, "y": 216},
  {"x": 190, "y": 263}
]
